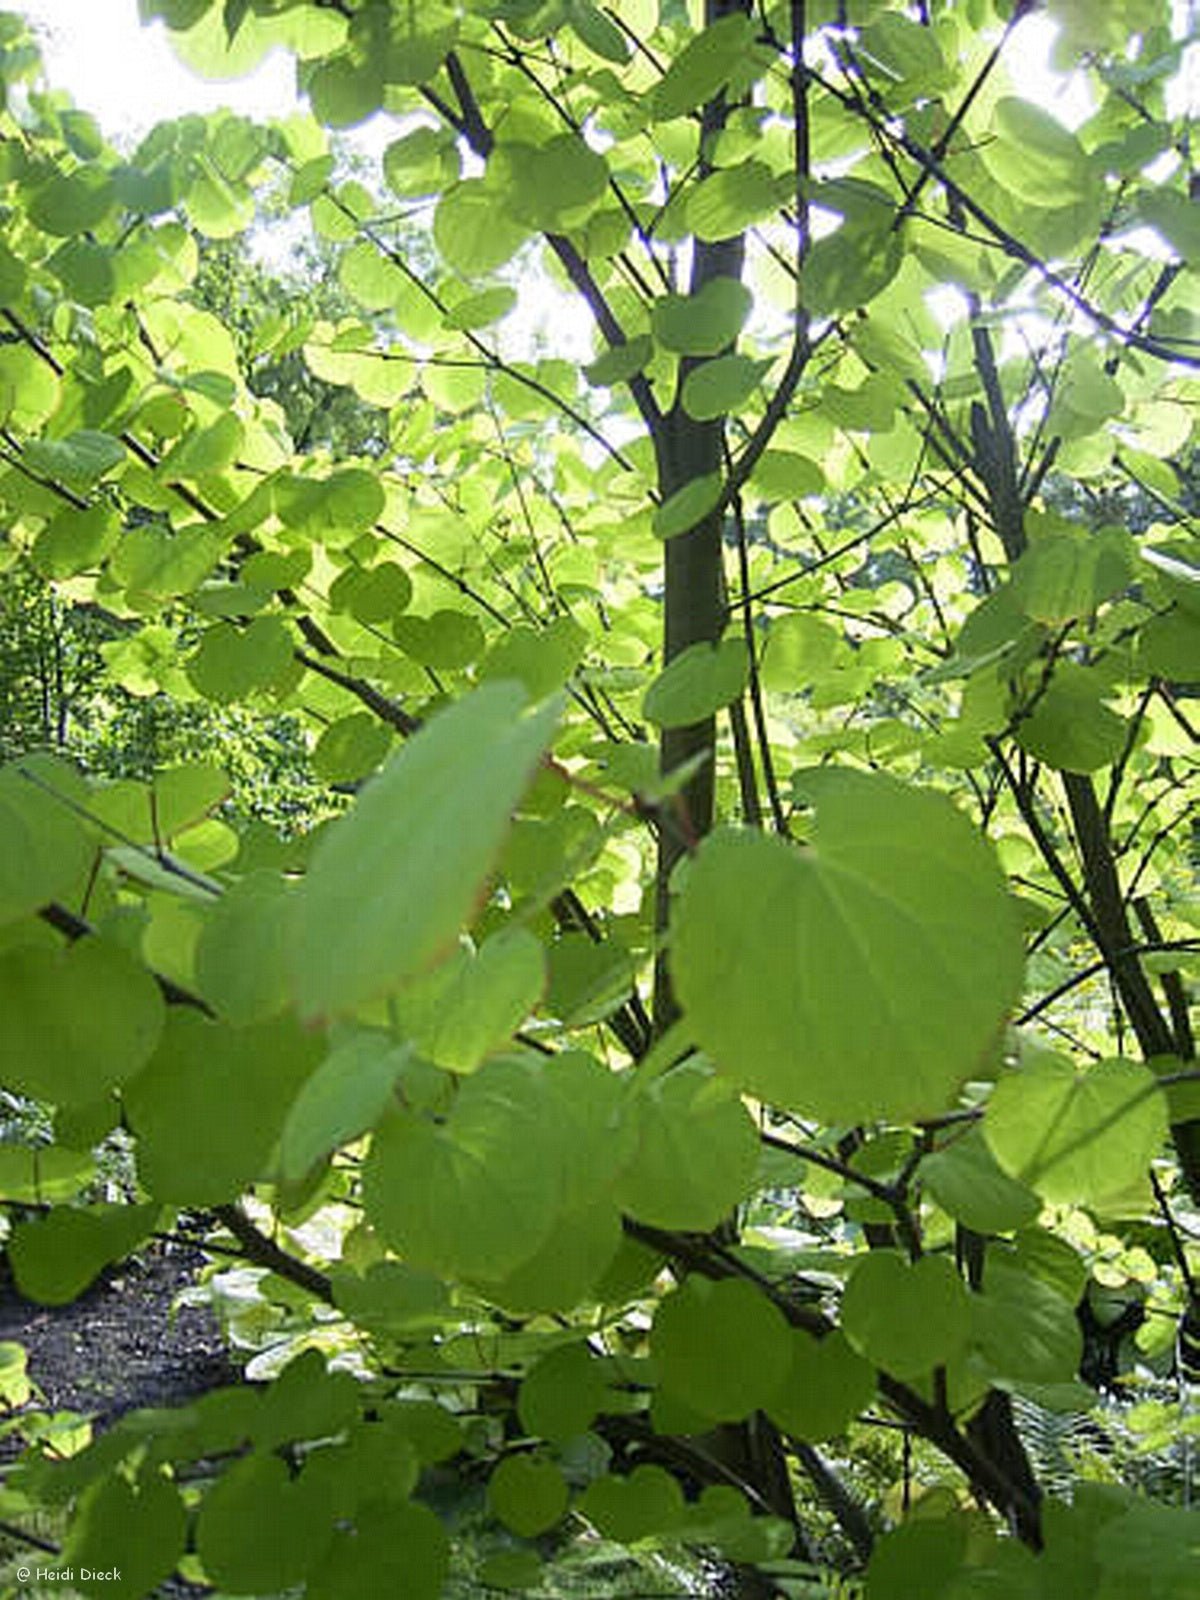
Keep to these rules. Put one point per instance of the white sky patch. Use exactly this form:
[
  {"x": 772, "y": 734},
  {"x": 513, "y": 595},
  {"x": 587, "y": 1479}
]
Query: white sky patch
[
  {"x": 128, "y": 76},
  {"x": 1066, "y": 96}
]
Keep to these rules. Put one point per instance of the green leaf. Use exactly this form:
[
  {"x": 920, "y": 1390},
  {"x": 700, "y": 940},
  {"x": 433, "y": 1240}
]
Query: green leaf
[
  {"x": 1070, "y": 727},
  {"x": 561, "y": 1395},
  {"x": 206, "y": 451},
  {"x": 232, "y": 663},
  {"x": 211, "y": 1105},
  {"x": 800, "y": 651},
  {"x": 86, "y": 271},
  {"x": 370, "y": 277},
  {"x": 75, "y": 541},
  {"x": 43, "y": 852},
  {"x": 587, "y": 981},
  {"x": 906, "y": 1317},
  {"x": 80, "y": 460},
  {"x": 647, "y": 1504},
  {"x": 421, "y": 163},
  {"x": 528, "y": 1494},
  {"x": 697, "y": 1153},
  {"x": 1064, "y": 575},
  {"x": 473, "y": 231},
  {"x": 549, "y": 186},
  {"x": 391, "y": 1299},
  {"x": 43, "y": 1175},
  {"x": 399, "y": 1550},
  {"x": 256, "y": 1493},
  {"x": 29, "y": 388},
  {"x": 334, "y": 510},
  {"x": 1173, "y": 214},
  {"x": 785, "y": 475},
  {"x": 703, "y": 67},
  {"x": 472, "y": 1004},
  {"x": 1024, "y": 1329},
  {"x": 450, "y": 1198},
  {"x": 482, "y": 310},
  {"x": 72, "y": 203},
  {"x": 345, "y": 92},
  {"x": 849, "y": 268},
  {"x": 688, "y": 506},
  {"x": 351, "y": 748},
  {"x": 922, "y": 1556},
  {"x": 392, "y": 882},
  {"x": 721, "y": 386},
  {"x": 373, "y": 595},
  {"x": 515, "y": 1570},
  {"x": 908, "y": 54},
  {"x": 598, "y": 32},
  {"x": 888, "y": 945},
  {"x": 154, "y": 564},
  {"x": 563, "y": 1272},
  {"x": 726, "y": 203},
  {"x": 722, "y": 1348},
  {"x": 620, "y": 363},
  {"x": 77, "y": 1022},
  {"x": 705, "y": 323},
  {"x": 698, "y": 682},
  {"x": 1169, "y": 646},
  {"x": 127, "y": 1536},
  {"x": 453, "y": 1199},
  {"x": 243, "y": 957},
  {"x": 447, "y": 639},
  {"x": 1035, "y": 156},
  {"x": 1078, "y": 1138},
  {"x": 56, "y": 1257},
  {"x": 826, "y": 1386},
  {"x": 967, "y": 1183},
  {"x": 541, "y": 660}
]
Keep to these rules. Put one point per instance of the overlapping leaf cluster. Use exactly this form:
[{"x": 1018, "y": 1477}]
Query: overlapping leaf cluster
[{"x": 746, "y": 1002}]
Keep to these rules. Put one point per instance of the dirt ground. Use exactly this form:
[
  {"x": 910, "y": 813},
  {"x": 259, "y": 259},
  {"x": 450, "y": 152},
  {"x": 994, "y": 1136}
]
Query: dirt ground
[{"x": 120, "y": 1346}]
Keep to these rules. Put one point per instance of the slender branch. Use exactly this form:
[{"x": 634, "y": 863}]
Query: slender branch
[
  {"x": 386, "y": 709},
  {"x": 479, "y": 136},
  {"x": 264, "y": 1252},
  {"x": 77, "y": 927}
]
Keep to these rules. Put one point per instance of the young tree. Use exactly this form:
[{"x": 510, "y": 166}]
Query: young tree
[{"x": 746, "y": 1003}]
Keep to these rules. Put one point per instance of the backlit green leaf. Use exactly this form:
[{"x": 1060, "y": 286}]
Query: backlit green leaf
[
  {"x": 472, "y": 231},
  {"x": 696, "y": 1155},
  {"x": 1078, "y": 1138},
  {"x": 392, "y": 882},
  {"x": 688, "y": 506},
  {"x": 43, "y": 851},
  {"x": 343, "y": 1099},
  {"x": 1069, "y": 726},
  {"x": 966, "y": 1182},
  {"x": 243, "y": 958},
  {"x": 864, "y": 975},
  {"x": 703, "y": 67},
  {"x": 721, "y": 386},
  {"x": 697, "y": 683}
]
